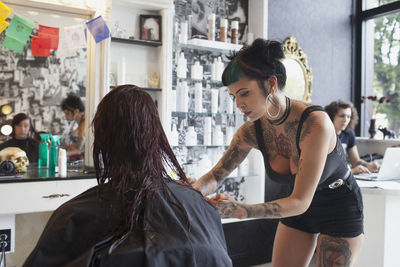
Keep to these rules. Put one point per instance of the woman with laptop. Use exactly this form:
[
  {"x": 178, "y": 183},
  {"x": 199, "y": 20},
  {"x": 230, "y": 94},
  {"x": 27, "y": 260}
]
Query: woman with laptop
[{"x": 345, "y": 117}]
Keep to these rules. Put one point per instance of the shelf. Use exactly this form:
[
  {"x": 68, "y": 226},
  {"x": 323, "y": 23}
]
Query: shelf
[
  {"x": 190, "y": 80},
  {"x": 184, "y": 114},
  {"x": 136, "y": 42},
  {"x": 211, "y": 46},
  {"x": 144, "y": 88}
]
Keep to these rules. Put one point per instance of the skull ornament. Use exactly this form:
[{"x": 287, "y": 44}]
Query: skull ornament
[{"x": 17, "y": 156}]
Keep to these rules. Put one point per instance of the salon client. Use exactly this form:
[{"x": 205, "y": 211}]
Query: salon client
[{"x": 137, "y": 215}]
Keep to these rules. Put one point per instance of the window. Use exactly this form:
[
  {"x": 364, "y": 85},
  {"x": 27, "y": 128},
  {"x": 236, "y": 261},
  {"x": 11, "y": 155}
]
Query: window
[{"x": 379, "y": 79}]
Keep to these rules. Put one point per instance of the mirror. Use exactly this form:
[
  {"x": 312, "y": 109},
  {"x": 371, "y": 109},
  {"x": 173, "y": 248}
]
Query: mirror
[{"x": 299, "y": 74}]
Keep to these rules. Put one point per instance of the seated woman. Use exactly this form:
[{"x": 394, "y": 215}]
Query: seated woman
[
  {"x": 137, "y": 215},
  {"x": 345, "y": 117},
  {"x": 24, "y": 136},
  {"x": 74, "y": 111}
]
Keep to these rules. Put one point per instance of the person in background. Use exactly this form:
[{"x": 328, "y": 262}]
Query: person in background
[
  {"x": 74, "y": 111},
  {"x": 345, "y": 117},
  {"x": 324, "y": 210},
  {"x": 137, "y": 215},
  {"x": 24, "y": 136}
]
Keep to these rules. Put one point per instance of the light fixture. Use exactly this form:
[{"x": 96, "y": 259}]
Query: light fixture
[
  {"x": 6, "y": 129},
  {"x": 6, "y": 109}
]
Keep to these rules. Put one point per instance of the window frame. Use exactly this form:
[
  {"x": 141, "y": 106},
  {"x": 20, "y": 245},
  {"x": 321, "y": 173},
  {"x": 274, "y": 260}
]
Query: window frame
[{"x": 360, "y": 17}]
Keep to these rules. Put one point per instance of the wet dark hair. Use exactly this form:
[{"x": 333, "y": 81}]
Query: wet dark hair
[
  {"x": 333, "y": 108},
  {"x": 21, "y": 117},
  {"x": 259, "y": 61},
  {"x": 72, "y": 102},
  {"x": 131, "y": 153}
]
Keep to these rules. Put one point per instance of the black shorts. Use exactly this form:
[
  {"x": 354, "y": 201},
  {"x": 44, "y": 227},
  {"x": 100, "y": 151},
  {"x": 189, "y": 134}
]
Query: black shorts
[{"x": 335, "y": 212}]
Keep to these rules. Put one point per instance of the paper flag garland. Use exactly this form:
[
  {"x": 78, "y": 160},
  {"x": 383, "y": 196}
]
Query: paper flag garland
[
  {"x": 98, "y": 28},
  {"x": 52, "y": 33},
  {"x": 17, "y": 33},
  {"x": 3, "y": 25},
  {"x": 4, "y": 11},
  {"x": 37, "y": 46},
  {"x": 75, "y": 36}
]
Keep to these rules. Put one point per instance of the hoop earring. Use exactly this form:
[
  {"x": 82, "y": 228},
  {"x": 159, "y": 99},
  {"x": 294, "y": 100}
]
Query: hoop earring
[{"x": 269, "y": 98}]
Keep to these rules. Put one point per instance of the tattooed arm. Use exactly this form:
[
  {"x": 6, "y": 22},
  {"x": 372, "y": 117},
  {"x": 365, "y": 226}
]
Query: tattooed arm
[
  {"x": 240, "y": 146},
  {"x": 317, "y": 139}
]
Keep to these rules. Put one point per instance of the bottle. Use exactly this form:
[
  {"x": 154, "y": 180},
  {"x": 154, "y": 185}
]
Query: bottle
[
  {"x": 218, "y": 136},
  {"x": 197, "y": 71},
  {"x": 211, "y": 27},
  {"x": 235, "y": 32},
  {"x": 183, "y": 36},
  {"x": 223, "y": 29},
  {"x": 174, "y": 136},
  {"x": 207, "y": 131},
  {"x": 214, "y": 70},
  {"x": 62, "y": 162},
  {"x": 53, "y": 153},
  {"x": 182, "y": 97},
  {"x": 219, "y": 68},
  {"x": 43, "y": 151},
  {"x": 198, "y": 97},
  {"x": 214, "y": 100},
  {"x": 191, "y": 136},
  {"x": 181, "y": 67}
]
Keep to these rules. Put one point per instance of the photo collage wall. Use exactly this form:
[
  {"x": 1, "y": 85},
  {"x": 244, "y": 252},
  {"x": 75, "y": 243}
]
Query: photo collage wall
[{"x": 37, "y": 85}]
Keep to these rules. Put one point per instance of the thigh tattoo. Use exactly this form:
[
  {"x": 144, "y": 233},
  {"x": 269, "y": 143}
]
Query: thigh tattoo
[{"x": 334, "y": 252}]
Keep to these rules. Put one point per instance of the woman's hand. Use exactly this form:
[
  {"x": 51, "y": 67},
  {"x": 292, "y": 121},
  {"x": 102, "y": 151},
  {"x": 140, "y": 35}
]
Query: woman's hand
[
  {"x": 359, "y": 169},
  {"x": 228, "y": 207},
  {"x": 373, "y": 166}
]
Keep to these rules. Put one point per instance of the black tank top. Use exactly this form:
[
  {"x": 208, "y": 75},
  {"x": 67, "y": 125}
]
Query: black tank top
[{"x": 336, "y": 162}]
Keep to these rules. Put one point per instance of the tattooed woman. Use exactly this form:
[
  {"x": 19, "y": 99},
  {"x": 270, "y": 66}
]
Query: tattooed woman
[{"x": 300, "y": 147}]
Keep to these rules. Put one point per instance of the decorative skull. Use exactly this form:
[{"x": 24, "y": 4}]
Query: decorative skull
[{"x": 17, "y": 156}]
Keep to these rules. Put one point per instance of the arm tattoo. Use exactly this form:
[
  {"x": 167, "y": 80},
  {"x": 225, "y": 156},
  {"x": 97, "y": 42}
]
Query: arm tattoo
[
  {"x": 272, "y": 210},
  {"x": 226, "y": 209},
  {"x": 334, "y": 251},
  {"x": 307, "y": 127},
  {"x": 249, "y": 134},
  {"x": 233, "y": 156}
]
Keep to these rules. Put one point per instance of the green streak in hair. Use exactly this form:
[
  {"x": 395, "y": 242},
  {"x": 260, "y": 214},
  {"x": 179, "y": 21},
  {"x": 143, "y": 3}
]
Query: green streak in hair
[{"x": 233, "y": 74}]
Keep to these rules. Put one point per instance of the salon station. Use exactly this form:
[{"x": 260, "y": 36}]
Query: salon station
[{"x": 176, "y": 50}]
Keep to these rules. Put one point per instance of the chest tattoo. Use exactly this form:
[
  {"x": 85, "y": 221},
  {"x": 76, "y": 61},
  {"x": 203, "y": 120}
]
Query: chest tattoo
[{"x": 283, "y": 146}]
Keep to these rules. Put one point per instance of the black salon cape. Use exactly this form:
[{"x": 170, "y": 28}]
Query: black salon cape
[{"x": 78, "y": 234}]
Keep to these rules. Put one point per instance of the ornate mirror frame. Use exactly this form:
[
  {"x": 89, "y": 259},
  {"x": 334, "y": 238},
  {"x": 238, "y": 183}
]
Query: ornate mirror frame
[{"x": 293, "y": 51}]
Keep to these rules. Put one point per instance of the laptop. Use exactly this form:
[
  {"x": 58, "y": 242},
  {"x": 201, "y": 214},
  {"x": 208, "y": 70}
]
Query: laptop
[{"x": 389, "y": 170}]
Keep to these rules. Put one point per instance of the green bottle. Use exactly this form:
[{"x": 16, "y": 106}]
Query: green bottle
[
  {"x": 53, "y": 153},
  {"x": 43, "y": 150}
]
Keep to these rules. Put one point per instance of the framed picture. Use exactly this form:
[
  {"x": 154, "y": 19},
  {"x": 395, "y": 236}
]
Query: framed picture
[{"x": 150, "y": 28}]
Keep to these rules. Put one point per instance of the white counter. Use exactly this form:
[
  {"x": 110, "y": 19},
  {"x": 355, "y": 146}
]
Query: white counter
[{"x": 381, "y": 224}]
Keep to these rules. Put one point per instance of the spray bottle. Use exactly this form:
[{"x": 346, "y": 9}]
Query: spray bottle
[
  {"x": 43, "y": 150},
  {"x": 53, "y": 153}
]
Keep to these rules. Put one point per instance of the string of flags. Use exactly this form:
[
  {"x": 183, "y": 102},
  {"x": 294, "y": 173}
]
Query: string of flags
[{"x": 67, "y": 39}]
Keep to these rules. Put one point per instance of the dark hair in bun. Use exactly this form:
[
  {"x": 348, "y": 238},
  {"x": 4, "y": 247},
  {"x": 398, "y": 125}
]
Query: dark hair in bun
[{"x": 260, "y": 60}]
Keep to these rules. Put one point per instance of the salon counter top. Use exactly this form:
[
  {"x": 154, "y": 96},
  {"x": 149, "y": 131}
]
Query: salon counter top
[
  {"x": 35, "y": 174},
  {"x": 380, "y": 187}
]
